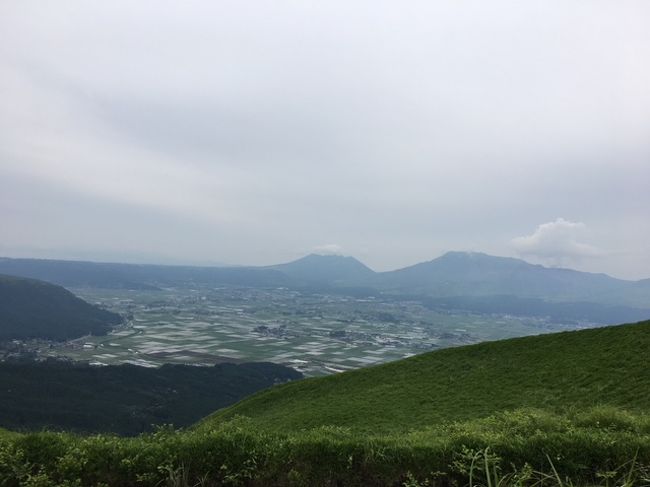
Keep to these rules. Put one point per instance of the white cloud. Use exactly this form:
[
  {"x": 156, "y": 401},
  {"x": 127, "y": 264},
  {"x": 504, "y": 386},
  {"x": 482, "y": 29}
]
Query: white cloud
[
  {"x": 328, "y": 249},
  {"x": 556, "y": 243}
]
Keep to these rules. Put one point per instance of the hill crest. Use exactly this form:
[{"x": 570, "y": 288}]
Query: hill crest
[
  {"x": 30, "y": 308},
  {"x": 331, "y": 269},
  {"x": 604, "y": 366}
]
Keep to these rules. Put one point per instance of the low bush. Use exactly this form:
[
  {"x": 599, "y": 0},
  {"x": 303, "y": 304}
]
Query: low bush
[{"x": 522, "y": 447}]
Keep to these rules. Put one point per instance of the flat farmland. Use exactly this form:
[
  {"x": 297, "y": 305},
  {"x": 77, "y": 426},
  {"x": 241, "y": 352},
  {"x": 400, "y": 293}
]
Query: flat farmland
[{"x": 314, "y": 333}]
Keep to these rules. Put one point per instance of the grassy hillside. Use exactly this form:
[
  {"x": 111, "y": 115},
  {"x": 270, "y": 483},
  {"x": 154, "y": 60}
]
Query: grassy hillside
[
  {"x": 556, "y": 372},
  {"x": 35, "y": 309},
  {"x": 559, "y": 410}
]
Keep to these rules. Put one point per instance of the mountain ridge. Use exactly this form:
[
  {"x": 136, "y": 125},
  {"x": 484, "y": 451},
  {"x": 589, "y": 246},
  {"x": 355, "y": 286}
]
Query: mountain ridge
[
  {"x": 463, "y": 273},
  {"x": 330, "y": 269},
  {"x": 453, "y": 274},
  {"x": 6, "y": 262}
]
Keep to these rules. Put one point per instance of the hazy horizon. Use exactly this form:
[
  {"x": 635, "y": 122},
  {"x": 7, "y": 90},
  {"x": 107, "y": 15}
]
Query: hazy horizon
[
  {"x": 209, "y": 133},
  {"x": 270, "y": 264}
]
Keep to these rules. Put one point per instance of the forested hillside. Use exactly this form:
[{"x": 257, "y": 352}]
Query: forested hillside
[
  {"x": 37, "y": 309},
  {"x": 124, "y": 399}
]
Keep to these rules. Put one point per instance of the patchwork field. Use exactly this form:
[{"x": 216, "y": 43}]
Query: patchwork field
[{"x": 316, "y": 334}]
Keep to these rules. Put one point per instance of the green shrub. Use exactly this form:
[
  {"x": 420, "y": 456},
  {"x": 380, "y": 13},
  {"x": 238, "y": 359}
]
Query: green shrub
[{"x": 516, "y": 448}]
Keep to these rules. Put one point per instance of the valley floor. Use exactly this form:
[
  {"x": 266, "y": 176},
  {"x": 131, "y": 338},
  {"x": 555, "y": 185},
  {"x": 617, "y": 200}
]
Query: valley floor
[{"x": 315, "y": 333}]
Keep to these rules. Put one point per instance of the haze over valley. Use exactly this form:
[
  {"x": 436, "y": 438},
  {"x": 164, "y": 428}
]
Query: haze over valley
[{"x": 324, "y": 314}]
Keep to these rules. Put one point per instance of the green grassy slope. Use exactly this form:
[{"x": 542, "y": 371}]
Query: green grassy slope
[
  {"x": 400, "y": 426},
  {"x": 604, "y": 366}
]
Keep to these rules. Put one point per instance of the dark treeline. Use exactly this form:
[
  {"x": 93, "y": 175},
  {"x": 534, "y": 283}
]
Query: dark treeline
[{"x": 124, "y": 399}]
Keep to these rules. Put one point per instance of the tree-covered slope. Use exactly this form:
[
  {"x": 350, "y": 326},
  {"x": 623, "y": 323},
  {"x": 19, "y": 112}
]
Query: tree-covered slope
[
  {"x": 124, "y": 399},
  {"x": 37, "y": 309},
  {"x": 602, "y": 366}
]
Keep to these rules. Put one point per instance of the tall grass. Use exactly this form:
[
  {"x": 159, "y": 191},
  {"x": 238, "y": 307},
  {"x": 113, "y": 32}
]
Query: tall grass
[{"x": 519, "y": 448}]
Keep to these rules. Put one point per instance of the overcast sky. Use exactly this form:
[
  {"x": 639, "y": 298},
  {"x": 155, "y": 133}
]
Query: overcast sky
[{"x": 256, "y": 132}]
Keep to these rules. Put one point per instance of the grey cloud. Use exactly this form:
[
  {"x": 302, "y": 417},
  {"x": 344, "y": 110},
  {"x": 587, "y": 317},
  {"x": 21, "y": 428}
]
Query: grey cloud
[{"x": 254, "y": 133}]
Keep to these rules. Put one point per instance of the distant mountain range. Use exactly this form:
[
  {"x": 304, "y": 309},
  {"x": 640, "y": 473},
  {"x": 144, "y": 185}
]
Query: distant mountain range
[
  {"x": 453, "y": 278},
  {"x": 77, "y": 274}
]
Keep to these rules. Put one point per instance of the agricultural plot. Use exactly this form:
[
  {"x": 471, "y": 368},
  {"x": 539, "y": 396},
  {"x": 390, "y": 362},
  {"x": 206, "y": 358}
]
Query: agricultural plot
[{"x": 316, "y": 334}]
